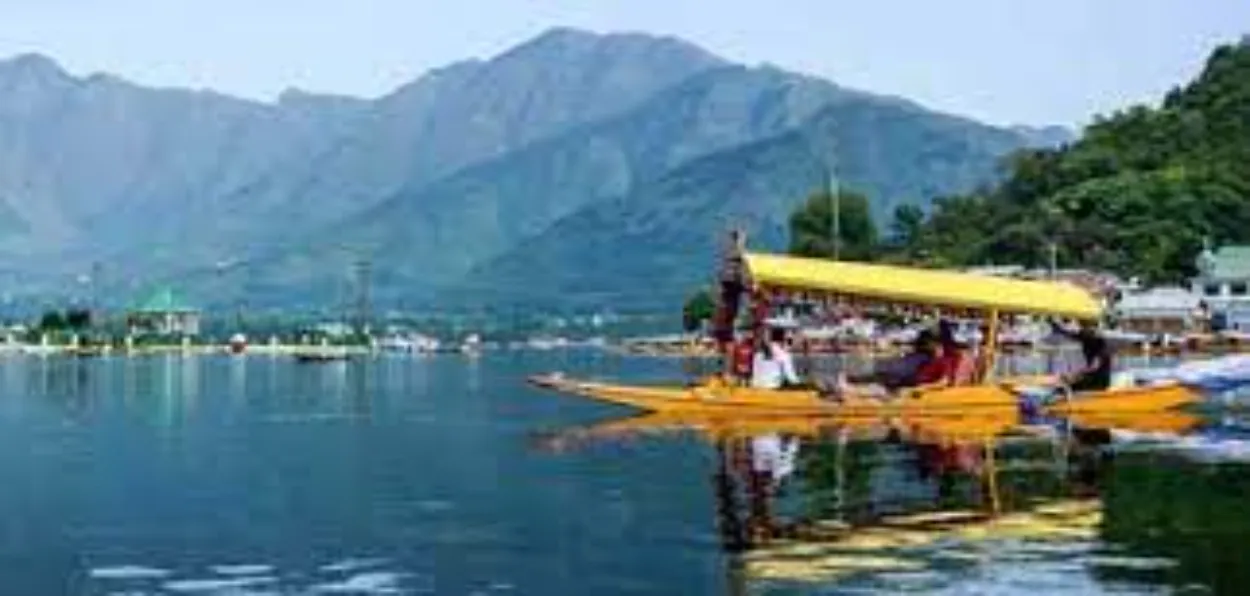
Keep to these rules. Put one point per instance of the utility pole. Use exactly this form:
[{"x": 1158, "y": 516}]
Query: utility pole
[
  {"x": 96, "y": 279},
  {"x": 835, "y": 197},
  {"x": 363, "y": 270},
  {"x": 835, "y": 202},
  {"x": 1054, "y": 258},
  {"x": 829, "y": 179}
]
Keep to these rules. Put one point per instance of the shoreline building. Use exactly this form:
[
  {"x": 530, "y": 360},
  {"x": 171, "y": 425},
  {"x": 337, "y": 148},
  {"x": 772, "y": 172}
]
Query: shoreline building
[
  {"x": 164, "y": 313},
  {"x": 1223, "y": 284},
  {"x": 1160, "y": 311}
]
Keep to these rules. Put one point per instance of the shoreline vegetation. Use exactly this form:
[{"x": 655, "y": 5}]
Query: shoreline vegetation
[
  {"x": 1138, "y": 194},
  {"x": 1133, "y": 203}
]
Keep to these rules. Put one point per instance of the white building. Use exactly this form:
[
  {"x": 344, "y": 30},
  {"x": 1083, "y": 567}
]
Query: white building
[
  {"x": 164, "y": 313},
  {"x": 1223, "y": 283},
  {"x": 1159, "y": 310}
]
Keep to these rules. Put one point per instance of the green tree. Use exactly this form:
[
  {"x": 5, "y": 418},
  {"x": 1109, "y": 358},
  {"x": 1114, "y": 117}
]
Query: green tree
[
  {"x": 906, "y": 226},
  {"x": 52, "y": 320},
  {"x": 1136, "y": 194},
  {"x": 698, "y": 308},
  {"x": 812, "y": 227},
  {"x": 78, "y": 319}
]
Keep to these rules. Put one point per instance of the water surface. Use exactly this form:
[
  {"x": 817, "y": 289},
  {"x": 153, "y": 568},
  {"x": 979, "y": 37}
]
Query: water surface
[{"x": 229, "y": 475}]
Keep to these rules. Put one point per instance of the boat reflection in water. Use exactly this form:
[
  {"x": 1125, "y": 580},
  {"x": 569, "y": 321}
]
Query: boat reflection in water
[{"x": 963, "y": 503}]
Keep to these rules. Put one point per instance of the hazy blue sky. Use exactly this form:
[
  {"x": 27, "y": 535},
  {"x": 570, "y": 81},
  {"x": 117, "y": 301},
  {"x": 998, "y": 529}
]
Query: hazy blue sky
[{"x": 1004, "y": 61}]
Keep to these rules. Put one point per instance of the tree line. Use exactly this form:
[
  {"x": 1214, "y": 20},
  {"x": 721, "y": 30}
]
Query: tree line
[{"x": 1137, "y": 194}]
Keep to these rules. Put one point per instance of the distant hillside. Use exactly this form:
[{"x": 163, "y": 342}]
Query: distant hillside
[
  {"x": 154, "y": 181},
  {"x": 1136, "y": 194},
  {"x": 472, "y": 112},
  {"x": 422, "y": 236},
  {"x": 443, "y": 182},
  {"x": 658, "y": 242}
]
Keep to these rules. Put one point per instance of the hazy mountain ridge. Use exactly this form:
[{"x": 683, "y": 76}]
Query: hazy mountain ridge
[
  {"x": 434, "y": 180},
  {"x": 157, "y": 181},
  {"x": 472, "y": 111},
  {"x": 421, "y": 234},
  {"x": 655, "y": 244}
]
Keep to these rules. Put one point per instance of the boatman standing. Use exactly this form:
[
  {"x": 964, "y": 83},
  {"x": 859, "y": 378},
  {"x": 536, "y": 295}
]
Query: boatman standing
[
  {"x": 732, "y": 285},
  {"x": 1096, "y": 374}
]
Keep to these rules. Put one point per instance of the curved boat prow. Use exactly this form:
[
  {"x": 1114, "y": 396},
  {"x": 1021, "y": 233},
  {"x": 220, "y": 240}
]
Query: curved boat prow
[{"x": 1150, "y": 398}]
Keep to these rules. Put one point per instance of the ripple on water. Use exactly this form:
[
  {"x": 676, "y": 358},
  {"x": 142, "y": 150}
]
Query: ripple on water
[
  {"x": 307, "y": 418},
  {"x": 370, "y": 582},
  {"x": 347, "y": 565},
  {"x": 128, "y": 572},
  {"x": 1134, "y": 563},
  {"x": 216, "y": 584},
  {"x": 242, "y": 569},
  {"x": 912, "y": 580}
]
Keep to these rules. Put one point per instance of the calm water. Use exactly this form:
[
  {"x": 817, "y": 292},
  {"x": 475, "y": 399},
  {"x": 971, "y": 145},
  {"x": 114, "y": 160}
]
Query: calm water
[{"x": 446, "y": 475}]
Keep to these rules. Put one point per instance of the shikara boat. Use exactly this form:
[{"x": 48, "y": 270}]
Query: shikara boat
[{"x": 936, "y": 292}]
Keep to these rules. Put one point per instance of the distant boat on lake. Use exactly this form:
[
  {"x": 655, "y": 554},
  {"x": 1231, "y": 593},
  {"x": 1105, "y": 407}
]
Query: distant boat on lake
[{"x": 322, "y": 354}]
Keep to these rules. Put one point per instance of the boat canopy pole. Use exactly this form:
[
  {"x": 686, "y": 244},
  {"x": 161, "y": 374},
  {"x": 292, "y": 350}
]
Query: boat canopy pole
[
  {"x": 991, "y": 471},
  {"x": 989, "y": 347}
]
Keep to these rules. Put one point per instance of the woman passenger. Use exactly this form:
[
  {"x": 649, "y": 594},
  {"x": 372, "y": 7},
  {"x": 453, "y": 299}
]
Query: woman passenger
[
  {"x": 953, "y": 365},
  {"x": 773, "y": 366}
]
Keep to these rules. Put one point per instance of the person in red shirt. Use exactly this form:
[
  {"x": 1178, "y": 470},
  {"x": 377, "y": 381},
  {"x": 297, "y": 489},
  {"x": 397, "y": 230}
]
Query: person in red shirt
[
  {"x": 937, "y": 370},
  {"x": 743, "y": 353},
  {"x": 951, "y": 364}
]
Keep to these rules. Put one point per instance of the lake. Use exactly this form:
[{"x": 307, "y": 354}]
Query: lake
[{"x": 446, "y": 474}]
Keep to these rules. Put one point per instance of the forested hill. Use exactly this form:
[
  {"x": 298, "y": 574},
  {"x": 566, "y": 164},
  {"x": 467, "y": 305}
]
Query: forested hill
[{"x": 1136, "y": 194}]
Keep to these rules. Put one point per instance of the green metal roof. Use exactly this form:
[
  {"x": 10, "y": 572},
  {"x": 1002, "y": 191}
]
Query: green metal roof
[
  {"x": 1231, "y": 262},
  {"x": 164, "y": 300}
]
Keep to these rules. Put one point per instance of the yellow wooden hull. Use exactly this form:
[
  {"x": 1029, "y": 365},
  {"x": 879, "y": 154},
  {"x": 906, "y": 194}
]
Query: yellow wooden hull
[
  {"x": 715, "y": 397},
  {"x": 932, "y": 429},
  {"x": 722, "y": 426},
  {"x": 1129, "y": 399},
  {"x": 1166, "y": 421}
]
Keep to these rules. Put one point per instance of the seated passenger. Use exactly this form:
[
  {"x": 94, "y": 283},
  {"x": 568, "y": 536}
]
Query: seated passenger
[
  {"x": 954, "y": 366},
  {"x": 773, "y": 366},
  {"x": 921, "y": 366}
]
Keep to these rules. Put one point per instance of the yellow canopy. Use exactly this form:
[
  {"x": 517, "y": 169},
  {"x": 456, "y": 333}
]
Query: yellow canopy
[{"x": 930, "y": 287}]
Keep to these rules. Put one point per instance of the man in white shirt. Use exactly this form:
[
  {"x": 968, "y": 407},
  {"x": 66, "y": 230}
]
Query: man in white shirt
[{"x": 772, "y": 367}]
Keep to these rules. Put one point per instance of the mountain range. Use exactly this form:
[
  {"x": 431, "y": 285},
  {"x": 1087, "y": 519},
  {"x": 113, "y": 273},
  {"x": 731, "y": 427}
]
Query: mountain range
[{"x": 574, "y": 169}]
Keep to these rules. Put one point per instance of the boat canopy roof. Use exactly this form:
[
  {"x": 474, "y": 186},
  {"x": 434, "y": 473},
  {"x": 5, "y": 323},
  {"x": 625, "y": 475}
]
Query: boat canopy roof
[{"x": 926, "y": 287}]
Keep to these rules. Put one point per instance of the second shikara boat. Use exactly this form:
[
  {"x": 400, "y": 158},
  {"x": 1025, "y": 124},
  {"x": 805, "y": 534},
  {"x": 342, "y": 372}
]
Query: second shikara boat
[{"x": 935, "y": 292}]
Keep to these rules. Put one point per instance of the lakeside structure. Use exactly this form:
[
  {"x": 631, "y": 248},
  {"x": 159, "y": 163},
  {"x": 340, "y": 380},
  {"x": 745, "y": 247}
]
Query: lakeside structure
[
  {"x": 1172, "y": 311},
  {"x": 1214, "y": 304},
  {"x": 165, "y": 314},
  {"x": 1223, "y": 282}
]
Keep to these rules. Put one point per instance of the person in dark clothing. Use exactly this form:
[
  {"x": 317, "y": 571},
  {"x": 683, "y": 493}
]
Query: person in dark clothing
[{"x": 1096, "y": 374}]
